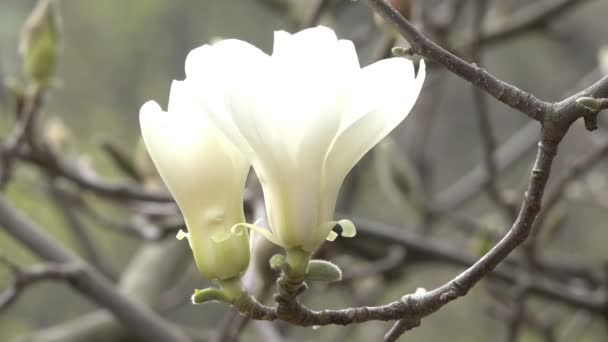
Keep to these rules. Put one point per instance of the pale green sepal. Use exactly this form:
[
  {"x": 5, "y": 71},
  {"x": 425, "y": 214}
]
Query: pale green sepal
[
  {"x": 348, "y": 228},
  {"x": 322, "y": 270},
  {"x": 209, "y": 295},
  {"x": 222, "y": 236},
  {"x": 332, "y": 236},
  {"x": 230, "y": 289},
  {"x": 182, "y": 235},
  {"x": 278, "y": 262},
  {"x": 267, "y": 234},
  {"x": 297, "y": 262}
]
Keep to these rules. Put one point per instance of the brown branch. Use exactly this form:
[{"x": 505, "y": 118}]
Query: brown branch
[
  {"x": 469, "y": 185},
  {"x": 141, "y": 320},
  {"x": 581, "y": 166},
  {"x": 92, "y": 182},
  {"x": 23, "y": 277},
  {"x": 414, "y": 307},
  {"x": 399, "y": 328},
  {"x": 502, "y": 91},
  {"x": 64, "y": 204},
  {"x": 555, "y": 120},
  {"x": 121, "y": 160},
  {"x": 423, "y": 249},
  {"x": 21, "y": 134},
  {"x": 486, "y": 130}
]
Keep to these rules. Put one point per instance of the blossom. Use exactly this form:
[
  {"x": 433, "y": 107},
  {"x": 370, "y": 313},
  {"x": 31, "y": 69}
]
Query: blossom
[
  {"x": 303, "y": 116},
  {"x": 206, "y": 175}
]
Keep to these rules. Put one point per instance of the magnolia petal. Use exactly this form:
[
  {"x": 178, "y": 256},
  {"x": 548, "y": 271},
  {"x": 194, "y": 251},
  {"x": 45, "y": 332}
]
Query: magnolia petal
[
  {"x": 209, "y": 60},
  {"x": 289, "y": 112},
  {"x": 182, "y": 139},
  {"x": 194, "y": 160},
  {"x": 348, "y": 54},
  {"x": 348, "y": 228},
  {"x": 221, "y": 236},
  {"x": 210, "y": 69},
  {"x": 281, "y": 41},
  {"x": 302, "y": 44},
  {"x": 385, "y": 95},
  {"x": 267, "y": 234}
]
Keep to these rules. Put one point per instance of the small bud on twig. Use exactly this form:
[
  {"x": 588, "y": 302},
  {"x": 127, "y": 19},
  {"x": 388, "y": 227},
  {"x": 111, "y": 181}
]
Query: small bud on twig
[
  {"x": 322, "y": 270},
  {"x": 39, "y": 44}
]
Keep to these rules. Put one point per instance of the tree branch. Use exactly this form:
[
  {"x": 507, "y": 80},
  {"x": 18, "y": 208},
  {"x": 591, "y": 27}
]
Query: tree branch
[
  {"x": 23, "y": 277},
  {"x": 89, "y": 282},
  {"x": 502, "y": 91}
]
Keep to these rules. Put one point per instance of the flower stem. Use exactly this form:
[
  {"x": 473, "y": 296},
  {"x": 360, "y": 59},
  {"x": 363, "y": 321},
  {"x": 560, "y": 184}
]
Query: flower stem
[
  {"x": 298, "y": 260},
  {"x": 232, "y": 287}
]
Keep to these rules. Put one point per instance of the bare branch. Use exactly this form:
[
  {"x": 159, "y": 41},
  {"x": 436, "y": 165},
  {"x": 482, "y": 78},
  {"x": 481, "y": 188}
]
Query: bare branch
[
  {"x": 81, "y": 233},
  {"x": 502, "y": 91},
  {"x": 486, "y": 130},
  {"x": 89, "y": 282},
  {"x": 92, "y": 182},
  {"x": 23, "y": 277},
  {"x": 582, "y": 165},
  {"x": 20, "y": 135}
]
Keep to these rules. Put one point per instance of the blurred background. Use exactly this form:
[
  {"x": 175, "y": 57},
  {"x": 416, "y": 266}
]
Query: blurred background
[{"x": 421, "y": 192}]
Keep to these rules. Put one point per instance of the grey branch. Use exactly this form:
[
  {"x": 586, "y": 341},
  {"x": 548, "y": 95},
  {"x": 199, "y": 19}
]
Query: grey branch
[
  {"x": 555, "y": 118},
  {"x": 23, "y": 277},
  {"x": 502, "y": 91},
  {"x": 89, "y": 281}
]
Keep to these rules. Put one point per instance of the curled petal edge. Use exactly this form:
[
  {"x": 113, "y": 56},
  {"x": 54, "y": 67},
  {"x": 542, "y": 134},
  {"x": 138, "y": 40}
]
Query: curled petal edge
[
  {"x": 348, "y": 229},
  {"x": 267, "y": 234},
  {"x": 218, "y": 237}
]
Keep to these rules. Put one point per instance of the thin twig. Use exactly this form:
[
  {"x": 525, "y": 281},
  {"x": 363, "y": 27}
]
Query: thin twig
[
  {"x": 525, "y": 19},
  {"x": 502, "y": 91},
  {"x": 486, "y": 130},
  {"x": 21, "y": 134},
  {"x": 23, "y": 277},
  {"x": 90, "y": 282},
  {"x": 80, "y": 232}
]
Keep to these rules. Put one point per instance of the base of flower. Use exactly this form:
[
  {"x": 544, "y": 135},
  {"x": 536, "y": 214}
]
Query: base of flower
[{"x": 228, "y": 291}]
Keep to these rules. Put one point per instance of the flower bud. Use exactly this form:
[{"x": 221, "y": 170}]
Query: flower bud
[
  {"x": 206, "y": 175},
  {"x": 303, "y": 116},
  {"x": 39, "y": 44}
]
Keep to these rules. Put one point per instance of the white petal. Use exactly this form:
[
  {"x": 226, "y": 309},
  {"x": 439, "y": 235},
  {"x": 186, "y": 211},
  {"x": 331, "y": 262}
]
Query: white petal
[
  {"x": 281, "y": 41},
  {"x": 192, "y": 157},
  {"x": 387, "y": 91},
  {"x": 303, "y": 43},
  {"x": 226, "y": 54},
  {"x": 209, "y": 69},
  {"x": 348, "y": 54},
  {"x": 289, "y": 111}
]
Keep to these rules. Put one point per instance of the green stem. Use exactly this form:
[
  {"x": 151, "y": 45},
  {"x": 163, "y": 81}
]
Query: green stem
[
  {"x": 232, "y": 287},
  {"x": 298, "y": 260}
]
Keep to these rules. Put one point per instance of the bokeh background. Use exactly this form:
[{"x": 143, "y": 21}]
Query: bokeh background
[{"x": 118, "y": 54}]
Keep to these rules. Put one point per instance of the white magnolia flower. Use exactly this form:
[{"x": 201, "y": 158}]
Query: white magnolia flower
[
  {"x": 206, "y": 174},
  {"x": 303, "y": 116}
]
